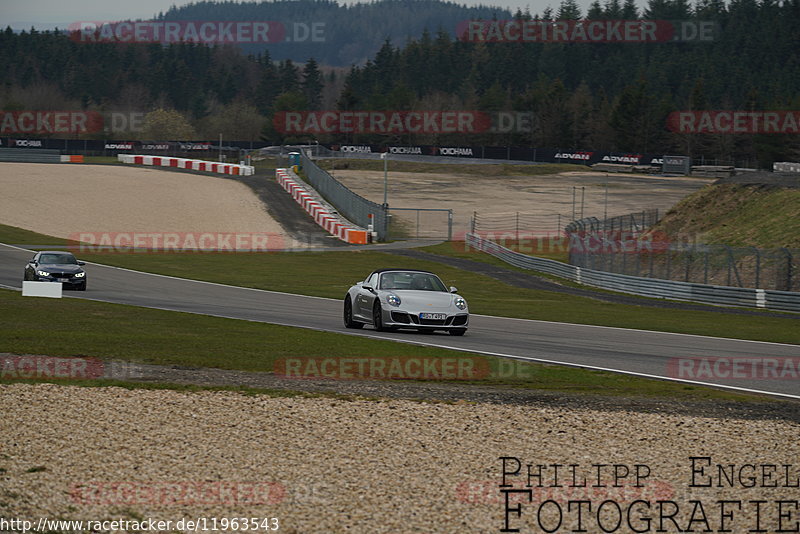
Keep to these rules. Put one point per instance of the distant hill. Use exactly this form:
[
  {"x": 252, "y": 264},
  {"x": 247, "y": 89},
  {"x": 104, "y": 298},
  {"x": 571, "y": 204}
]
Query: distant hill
[{"x": 352, "y": 33}]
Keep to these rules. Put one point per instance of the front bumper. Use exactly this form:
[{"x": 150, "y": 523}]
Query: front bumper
[
  {"x": 70, "y": 282},
  {"x": 405, "y": 319}
]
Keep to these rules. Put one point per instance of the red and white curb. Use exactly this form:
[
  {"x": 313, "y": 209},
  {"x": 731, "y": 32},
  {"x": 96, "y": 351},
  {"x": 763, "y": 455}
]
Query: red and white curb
[
  {"x": 336, "y": 225},
  {"x": 191, "y": 164}
]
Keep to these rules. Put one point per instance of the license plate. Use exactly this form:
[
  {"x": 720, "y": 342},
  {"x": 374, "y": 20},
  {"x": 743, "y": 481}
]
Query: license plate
[
  {"x": 434, "y": 316},
  {"x": 63, "y": 279}
]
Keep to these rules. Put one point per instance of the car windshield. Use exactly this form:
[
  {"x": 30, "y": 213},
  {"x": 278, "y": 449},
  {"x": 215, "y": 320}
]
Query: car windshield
[
  {"x": 411, "y": 280},
  {"x": 58, "y": 259}
]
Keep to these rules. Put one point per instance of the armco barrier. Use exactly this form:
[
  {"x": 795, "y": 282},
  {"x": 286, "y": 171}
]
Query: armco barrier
[
  {"x": 648, "y": 287},
  {"x": 190, "y": 164},
  {"x": 322, "y": 214},
  {"x": 29, "y": 155},
  {"x": 35, "y": 155},
  {"x": 356, "y": 208}
]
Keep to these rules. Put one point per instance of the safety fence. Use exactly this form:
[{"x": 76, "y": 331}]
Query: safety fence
[
  {"x": 353, "y": 207},
  {"x": 649, "y": 287},
  {"x": 627, "y": 245},
  {"x": 517, "y": 225},
  {"x": 632, "y": 222},
  {"x": 777, "y": 269},
  {"x": 420, "y": 223}
]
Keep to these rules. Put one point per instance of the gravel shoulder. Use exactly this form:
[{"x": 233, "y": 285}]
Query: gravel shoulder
[
  {"x": 450, "y": 392},
  {"x": 332, "y": 465}
]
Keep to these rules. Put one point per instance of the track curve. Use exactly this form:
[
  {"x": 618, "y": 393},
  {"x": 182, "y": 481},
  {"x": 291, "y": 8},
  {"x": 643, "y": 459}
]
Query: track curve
[{"x": 643, "y": 353}]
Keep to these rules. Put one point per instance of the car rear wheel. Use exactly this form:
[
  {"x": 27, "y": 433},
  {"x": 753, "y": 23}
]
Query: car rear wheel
[
  {"x": 458, "y": 331},
  {"x": 349, "y": 322}
]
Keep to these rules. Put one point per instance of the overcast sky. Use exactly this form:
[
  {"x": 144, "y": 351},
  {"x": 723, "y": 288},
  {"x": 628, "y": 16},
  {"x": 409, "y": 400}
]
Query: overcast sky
[{"x": 43, "y": 14}]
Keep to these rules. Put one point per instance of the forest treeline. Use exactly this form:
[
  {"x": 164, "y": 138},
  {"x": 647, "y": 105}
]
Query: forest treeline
[
  {"x": 352, "y": 33},
  {"x": 609, "y": 96}
]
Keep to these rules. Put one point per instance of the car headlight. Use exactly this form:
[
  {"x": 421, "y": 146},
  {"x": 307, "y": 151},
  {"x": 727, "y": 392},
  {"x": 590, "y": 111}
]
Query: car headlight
[
  {"x": 461, "y": 304},
  {"x": 80, "y": 274},
  {"x": 42, "y": 273},
  {"x": 394, "y": 300}
]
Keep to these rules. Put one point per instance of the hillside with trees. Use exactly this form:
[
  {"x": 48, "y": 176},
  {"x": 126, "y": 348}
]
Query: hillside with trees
[
  {"x": 609, "y": 96},
  {"x": 351, "y": 33}
]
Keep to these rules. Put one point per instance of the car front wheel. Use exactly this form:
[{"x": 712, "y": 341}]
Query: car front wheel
[
  {"x": 349, "y": 322},
  {"x": 377, "y": 317},
  {"x": 458, "y": 331}
]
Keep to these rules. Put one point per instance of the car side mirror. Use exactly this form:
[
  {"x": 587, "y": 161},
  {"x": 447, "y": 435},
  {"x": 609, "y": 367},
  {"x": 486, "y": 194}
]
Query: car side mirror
[
  {"x": 453, "y": 289},
  {"x": 81, "y": 263},
  {"x": 367, "y": 287}
]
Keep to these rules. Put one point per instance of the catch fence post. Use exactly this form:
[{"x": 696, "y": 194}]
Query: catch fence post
[{"x": 449, "y": 225}]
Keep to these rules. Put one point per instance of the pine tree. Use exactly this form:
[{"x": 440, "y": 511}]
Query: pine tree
[
  {"x": 613, "y": 9},
  {"x": 312, "y": 84},
  {"x": 269, "y": 85},
  {"x": 569, "y": 10},
  {"x": 288, "y": 76},
  {"x": 595, "y": 11}
]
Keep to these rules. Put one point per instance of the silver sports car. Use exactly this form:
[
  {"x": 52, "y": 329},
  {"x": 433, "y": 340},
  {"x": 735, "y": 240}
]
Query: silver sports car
[{"x": 404, "y": 298}]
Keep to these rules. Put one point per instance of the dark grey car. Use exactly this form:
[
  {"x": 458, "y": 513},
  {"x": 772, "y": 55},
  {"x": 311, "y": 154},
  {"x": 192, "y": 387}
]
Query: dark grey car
[{"x": 56, "y": 266}]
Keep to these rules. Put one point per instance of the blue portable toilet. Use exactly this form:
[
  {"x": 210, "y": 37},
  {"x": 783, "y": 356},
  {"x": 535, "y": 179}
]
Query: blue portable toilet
[{"x": 294, "y": 160}]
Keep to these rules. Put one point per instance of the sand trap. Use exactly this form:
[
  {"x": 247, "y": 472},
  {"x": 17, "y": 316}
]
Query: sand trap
[
  {"x": 62, "y": 200},
  {"x": 544, "y": 198}
]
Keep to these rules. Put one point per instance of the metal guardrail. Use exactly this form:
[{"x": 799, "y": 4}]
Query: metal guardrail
[
  {"x": 648, "y": 287},
  {"x": 353, "y": 207},
  {"x": 30, "y": 155},
  {"x": 773, "y": 269}
]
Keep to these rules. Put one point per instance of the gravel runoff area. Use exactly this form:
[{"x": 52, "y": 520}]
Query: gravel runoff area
[
  {"x": 61, "y": 200},
  {"x": 334, "y": 465},
  {"x": 546, "y": 196}
]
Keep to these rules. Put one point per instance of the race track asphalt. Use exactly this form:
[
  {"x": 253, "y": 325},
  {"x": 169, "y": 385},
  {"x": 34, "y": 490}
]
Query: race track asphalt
[{"x": 629, "y": 351}]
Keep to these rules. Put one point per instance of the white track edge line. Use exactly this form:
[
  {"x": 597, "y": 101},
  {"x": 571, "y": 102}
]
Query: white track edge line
[
  {"x": 474, "y": 351},
  {"x": 474, "y": 314}
]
